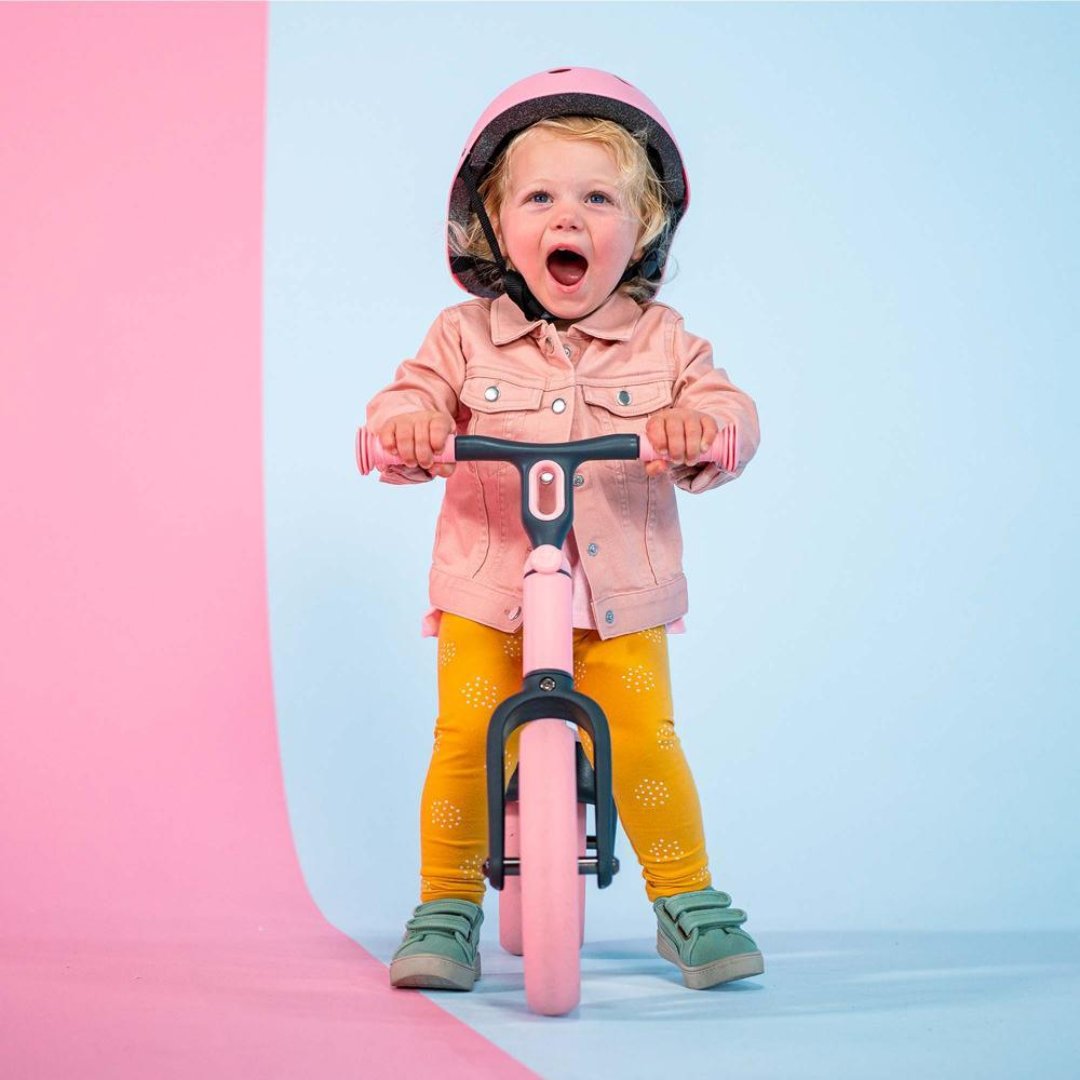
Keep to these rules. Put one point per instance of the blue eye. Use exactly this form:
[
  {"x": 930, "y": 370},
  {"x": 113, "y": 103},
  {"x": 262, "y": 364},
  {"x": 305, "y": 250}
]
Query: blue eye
[
  {"x": 541, "y": 197},
  {"x": 597, "y": 198}
]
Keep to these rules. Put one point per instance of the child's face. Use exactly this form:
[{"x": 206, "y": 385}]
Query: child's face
[{"x": 564, "y": 222}]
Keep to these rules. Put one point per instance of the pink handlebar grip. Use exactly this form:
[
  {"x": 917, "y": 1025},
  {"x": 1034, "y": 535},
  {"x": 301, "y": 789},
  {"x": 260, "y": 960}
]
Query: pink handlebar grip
[
  {"x": 371, "y": 455},
  {"x": 723, "y": 450}
]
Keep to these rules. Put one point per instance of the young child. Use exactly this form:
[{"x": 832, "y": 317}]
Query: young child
[{"x": 561, "y": 215}]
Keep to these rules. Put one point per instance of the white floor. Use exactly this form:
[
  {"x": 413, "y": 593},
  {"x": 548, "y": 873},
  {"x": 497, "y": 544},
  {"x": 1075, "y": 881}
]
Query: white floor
[{"x": 865, "y": 1005}]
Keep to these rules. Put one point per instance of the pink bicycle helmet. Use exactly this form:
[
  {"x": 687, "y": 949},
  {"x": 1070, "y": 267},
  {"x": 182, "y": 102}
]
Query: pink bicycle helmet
[{"x": 568, "y": 91}]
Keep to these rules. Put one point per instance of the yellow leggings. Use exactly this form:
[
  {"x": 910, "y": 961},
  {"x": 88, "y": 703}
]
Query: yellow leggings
[{"x": 654, "y": 789}]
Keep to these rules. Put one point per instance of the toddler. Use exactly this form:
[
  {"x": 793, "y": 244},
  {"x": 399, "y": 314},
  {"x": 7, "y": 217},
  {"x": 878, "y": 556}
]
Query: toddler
[{"x": 561, "y": 216}]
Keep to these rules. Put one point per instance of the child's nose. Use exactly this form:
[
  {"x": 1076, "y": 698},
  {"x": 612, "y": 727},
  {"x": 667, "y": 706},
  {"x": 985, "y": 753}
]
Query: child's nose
[{"x": 568, "y": 216}]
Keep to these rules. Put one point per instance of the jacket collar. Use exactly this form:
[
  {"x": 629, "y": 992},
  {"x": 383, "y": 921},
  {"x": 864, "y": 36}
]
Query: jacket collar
[{"x": 613, "y": 320}]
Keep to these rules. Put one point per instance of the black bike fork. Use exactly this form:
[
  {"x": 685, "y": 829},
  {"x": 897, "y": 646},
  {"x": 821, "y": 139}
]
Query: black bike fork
[{"x": 551, "y": 695}]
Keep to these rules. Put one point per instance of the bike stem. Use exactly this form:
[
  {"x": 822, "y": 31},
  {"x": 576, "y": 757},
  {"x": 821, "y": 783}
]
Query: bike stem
[{"x": 547, "y": 587}]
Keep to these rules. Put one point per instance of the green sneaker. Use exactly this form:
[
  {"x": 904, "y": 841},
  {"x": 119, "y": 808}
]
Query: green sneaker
[
  {"x": 700, "y": 932},
  {"x": 439, "y": 950}
]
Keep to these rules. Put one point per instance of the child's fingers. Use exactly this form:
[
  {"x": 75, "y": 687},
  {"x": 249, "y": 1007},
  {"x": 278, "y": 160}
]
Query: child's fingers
[
  {"x": 431, "y": 432},
  {"x": 416, "y": 437},
  {"x": 709, "y": 431},
  {"x": 692, "y": 437},
  {"x": 681, "y": 436},
  {"x": 438, "y": 430},
  {"x": 655, "y": 468},
  {"x": 676, "y": 441},
  {"x": 441, "y": 426},
  {"x": 425, "y": 456},
  {"x": 656, "y": 434},
  {"x": 406, "y": 442}
]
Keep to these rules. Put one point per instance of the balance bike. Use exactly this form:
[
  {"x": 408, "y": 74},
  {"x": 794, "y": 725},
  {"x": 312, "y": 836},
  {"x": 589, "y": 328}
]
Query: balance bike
[{"x": 538, "y": 848}]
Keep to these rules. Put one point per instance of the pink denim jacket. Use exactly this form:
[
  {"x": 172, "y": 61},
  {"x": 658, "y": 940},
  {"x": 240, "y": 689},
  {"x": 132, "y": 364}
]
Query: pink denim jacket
[{"x": 497, "y": 374}]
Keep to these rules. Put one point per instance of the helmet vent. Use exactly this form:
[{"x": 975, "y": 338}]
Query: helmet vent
[{"x": 558, "y": 71}]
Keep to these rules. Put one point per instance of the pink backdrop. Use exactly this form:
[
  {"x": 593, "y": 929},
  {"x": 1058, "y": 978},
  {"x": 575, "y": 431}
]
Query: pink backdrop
[{"x": 153, "y": 918}]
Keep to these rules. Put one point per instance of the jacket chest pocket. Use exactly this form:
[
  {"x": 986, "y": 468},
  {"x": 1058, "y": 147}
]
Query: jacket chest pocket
[
  {"x": 626, "y": 407},
  {"x": 498, "y": 405}
]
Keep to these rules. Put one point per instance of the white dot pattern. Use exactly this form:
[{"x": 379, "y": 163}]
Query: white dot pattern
[
  {"x": 512, "y": 646},
  {"x": 472, "y": 868},
  {"x": 666, "y": 738},
  {"x": 445, "y": 815},
  {"x": 639, "y": 678},
  {"x": 579, "y": 670},
  {"x": 480, "y": 693},
  {"x": 665, "y": 850},
  {"x": 447, "y": 652},
  {"x": 652, "y": 793},
  {"x": 655, "y": 634}
]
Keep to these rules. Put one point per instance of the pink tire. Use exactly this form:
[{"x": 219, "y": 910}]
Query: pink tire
[
  {"x": 510, "y": 897},
  {"x": 550, "y": 889}
]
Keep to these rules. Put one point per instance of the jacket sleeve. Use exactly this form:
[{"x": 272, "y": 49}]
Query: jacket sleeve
[
  {"x": 699, "y": 385},
  {"x": 428, "y": 382}
]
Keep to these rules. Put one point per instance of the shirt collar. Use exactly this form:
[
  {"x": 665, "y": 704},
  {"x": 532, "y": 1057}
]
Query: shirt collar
[{"x": 613, "y": 320}]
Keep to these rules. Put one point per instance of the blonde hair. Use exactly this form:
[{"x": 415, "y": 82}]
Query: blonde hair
[{"x": 640, "y": 185}]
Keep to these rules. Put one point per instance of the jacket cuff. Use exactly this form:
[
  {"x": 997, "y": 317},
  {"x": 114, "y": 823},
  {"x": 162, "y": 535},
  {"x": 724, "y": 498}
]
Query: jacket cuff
[
  {"x": 698, "y": 478},
  {"x": 404, "y": 474}
]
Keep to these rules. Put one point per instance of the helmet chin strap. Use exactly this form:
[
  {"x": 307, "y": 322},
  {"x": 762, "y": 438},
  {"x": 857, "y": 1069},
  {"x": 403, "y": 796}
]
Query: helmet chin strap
[
  {"x": 521, "y": 294},
  {"x": 513, "y": 282}
]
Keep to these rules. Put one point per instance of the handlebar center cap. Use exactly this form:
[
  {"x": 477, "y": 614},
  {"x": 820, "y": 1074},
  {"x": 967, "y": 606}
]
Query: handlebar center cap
[{"x": 546, "y": 559}]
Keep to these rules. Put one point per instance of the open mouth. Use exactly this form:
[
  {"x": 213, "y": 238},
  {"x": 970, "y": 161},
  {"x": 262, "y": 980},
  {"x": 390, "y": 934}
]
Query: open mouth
[{"x": 567, "y": 267}]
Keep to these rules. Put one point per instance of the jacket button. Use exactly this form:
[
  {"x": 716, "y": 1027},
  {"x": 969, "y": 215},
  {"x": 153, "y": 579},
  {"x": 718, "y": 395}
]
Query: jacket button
[
  {"x": 624, "y": 397},
  {"x": 514, "y": 614},
  {"x": 592, "y": 549},
  {"x": 491, "y": 393},
  {"x": 578, "y": 479},
  {"x": 558, "y": 405},
  {"x": 609, "y": 617},
  {"x": 567, "y": 351}
]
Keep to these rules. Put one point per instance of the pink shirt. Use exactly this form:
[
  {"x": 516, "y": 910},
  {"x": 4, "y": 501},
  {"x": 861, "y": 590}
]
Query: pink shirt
[{"x": 498, "y": 374}]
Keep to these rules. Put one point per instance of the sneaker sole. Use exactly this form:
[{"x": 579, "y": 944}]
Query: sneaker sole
[
  {"x": 701, "y": 977},
  {"x": 428, "y": 972}
]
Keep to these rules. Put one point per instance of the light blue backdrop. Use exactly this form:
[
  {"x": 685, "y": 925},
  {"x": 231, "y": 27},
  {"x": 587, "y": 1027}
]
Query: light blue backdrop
[{"x": 878, "y": 692}]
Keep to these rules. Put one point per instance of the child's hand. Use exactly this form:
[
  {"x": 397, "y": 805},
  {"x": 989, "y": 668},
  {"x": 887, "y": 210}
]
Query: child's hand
[
  {"x": 681, "y": 435},
  {"x": 417, "y": 437}
]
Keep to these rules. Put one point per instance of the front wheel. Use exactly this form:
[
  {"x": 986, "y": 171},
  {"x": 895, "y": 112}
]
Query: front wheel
[{"x": 550, "y": 889}]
